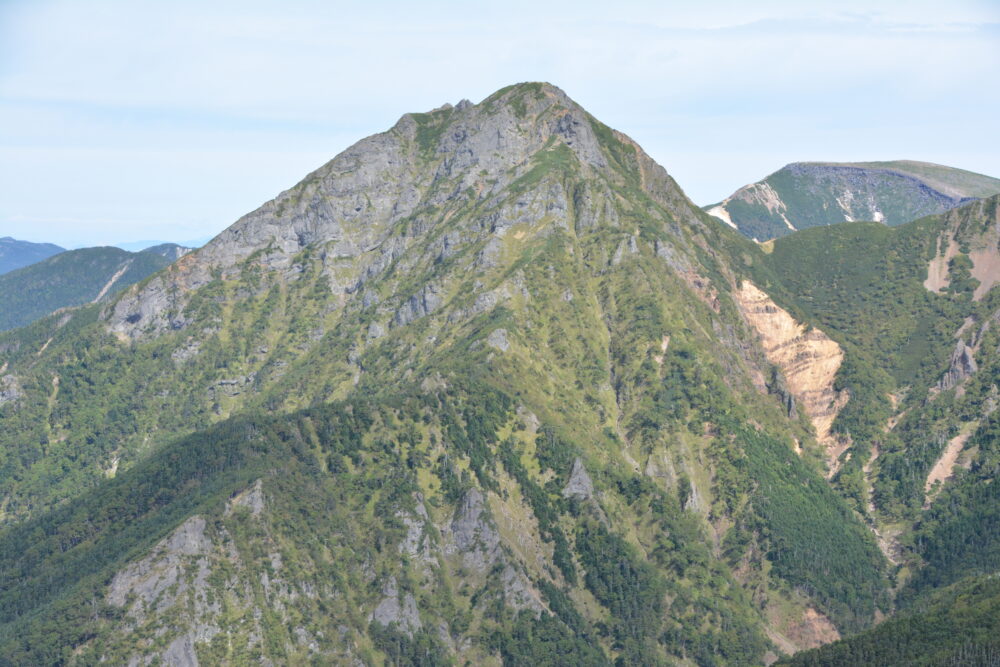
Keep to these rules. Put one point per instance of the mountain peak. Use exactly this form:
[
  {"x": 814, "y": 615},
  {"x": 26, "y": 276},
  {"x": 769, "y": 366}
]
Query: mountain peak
[{"x": 526, "y": 150}]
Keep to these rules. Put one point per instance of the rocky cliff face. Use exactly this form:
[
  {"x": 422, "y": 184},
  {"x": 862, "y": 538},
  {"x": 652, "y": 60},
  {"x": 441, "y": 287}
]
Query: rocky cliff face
[
  {"x": 807, "y": 358},
  {"x": 360, "y": 211}
]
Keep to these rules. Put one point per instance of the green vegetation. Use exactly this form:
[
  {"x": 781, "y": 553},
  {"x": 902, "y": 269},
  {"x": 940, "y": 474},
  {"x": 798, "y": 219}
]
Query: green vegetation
[
  {"x": 15, "y": 254},
  {"x": 812, "y": 194},
  {"x": 863, "y": 285},
  {"x": 70, "y": 278},
  {"x": 959, "y": 535},
  {"x": 411, "y": 415},
  {"x": 950, "y": 180},
  {"x": 956, "y": 626}
]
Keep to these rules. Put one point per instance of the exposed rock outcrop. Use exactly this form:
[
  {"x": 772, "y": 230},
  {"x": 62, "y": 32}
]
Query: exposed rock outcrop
[
  {"x": 579, "y": 485},
  {"x": 418, "y": 542},
  {"x": 475, "y": 538},
  {"x": 397, "y": 608},
  {"x": 973, "y": 230},
  {"x": 351, "y": 208},
  {"x": 10, "y": 391},
  {"x": 807, "y": 194},
  {"x": 498, "y": 339},
  {"x": 944, "y": 467},
  {"x": 961, "y": 366},
  {"x": 473, "y": 535},
  {"x": 808, "y": 359},
  {"x": 252, "y": 499},
  {"x": 155, "y": 575}
]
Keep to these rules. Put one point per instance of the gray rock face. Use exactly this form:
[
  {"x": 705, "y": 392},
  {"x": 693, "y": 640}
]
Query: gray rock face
[
  {"x": 154, "y": 577},
  {"x": 418, "y": 542},
  {"x": 473, "y": 534},
  {"x": 518, "y": 593},
  {"x": 352, "y": 206},
  {"x": 779, "y": 387},
  {"x": 231, "y": 386},
  {"x": 962, "y": 366},
  {"x": 693, "y": 502},
  {"x": 375, "y": 331},
  {"x": 397, "y": 609},
  {"x": 181, "y": 653},
  {"x": 10, "y": 391},
  {"x": 498, "y": 339},
  {"x": 421, "y": 304},
  {"x": 252, "y": 499},
  {"x": 579, "y": 485}
]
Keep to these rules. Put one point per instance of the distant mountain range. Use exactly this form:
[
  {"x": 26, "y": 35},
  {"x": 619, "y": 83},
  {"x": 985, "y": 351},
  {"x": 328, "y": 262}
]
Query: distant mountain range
[
  {"x": 15, "y": 254},
  {"x": 809, "y": 194},
  {"x": 76, "y": 277}
]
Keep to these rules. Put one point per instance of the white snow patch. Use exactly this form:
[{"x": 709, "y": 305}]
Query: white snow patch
[{"x": 721, "y": 213}]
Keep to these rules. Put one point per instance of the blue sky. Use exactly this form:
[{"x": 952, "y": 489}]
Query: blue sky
[{"x": 122, "y": 121}]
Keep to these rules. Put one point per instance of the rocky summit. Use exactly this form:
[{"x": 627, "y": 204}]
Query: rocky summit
[{"x": 488, "y": 388}]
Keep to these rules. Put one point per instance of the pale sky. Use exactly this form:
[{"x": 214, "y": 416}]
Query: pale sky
[{"x": 122, "y": 121}]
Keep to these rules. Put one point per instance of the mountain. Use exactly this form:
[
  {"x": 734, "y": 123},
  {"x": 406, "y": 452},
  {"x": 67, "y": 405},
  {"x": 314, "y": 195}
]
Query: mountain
[
  {"x": 15, "y": 254},
  {"x": 486, "y": 387},
  {"x": 808, "y": 194},
  {"x": 73, "y": 278}
]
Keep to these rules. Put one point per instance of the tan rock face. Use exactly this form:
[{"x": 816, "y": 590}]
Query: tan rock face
[
  {"x": 982, "y": 240},
  {"x": 944, "y": 467},
  {"x": 809, "y": 361},
  {"x": 937, "y": 269},
  {"x": 792, "y": 634},
  {"x": 814, "y": 630}
]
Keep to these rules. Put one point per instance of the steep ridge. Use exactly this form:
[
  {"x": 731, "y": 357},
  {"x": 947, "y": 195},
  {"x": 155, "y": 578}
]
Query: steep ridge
[
  {"x": 477, "y": 389},
  {"x": 807, "y": 194}
]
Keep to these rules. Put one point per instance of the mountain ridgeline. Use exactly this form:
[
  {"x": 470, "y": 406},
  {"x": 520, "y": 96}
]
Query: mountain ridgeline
[
  {"x": 488, "y": 388},
  {"x": 75, "y": 277},
  {"x": 15, "y": 254},
  {"x": 808, "y": 194}
]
